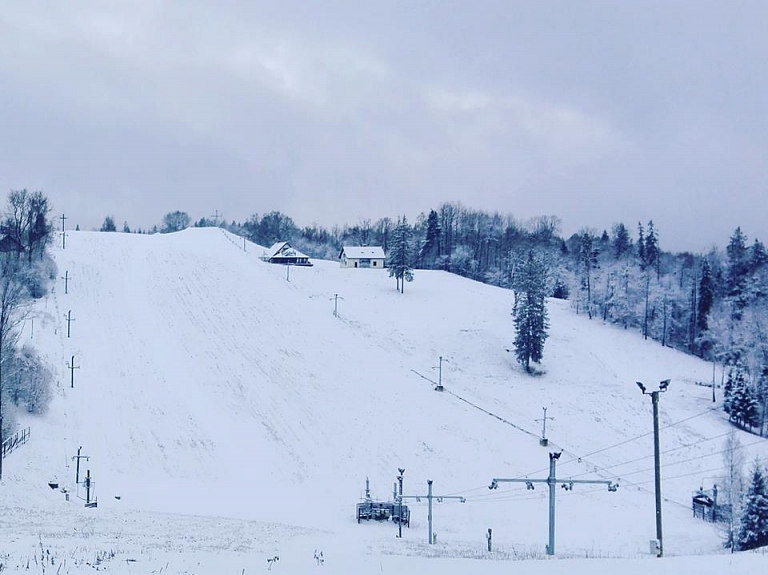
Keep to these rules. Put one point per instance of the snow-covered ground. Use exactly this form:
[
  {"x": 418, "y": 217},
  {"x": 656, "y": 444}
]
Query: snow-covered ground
[{"x": 229, "y": 418}]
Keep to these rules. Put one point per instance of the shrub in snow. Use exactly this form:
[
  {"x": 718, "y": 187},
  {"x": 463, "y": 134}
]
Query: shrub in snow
[{"x": 30, "y": 383}]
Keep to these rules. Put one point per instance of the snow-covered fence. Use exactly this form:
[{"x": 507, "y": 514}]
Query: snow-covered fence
[{"x": 18, "y": 438}]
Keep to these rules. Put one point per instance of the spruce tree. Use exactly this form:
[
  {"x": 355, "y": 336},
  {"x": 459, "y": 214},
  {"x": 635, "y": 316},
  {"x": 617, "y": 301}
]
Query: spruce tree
[
  {"x": 430, "y": 251},
  {"x": 743, "y": 402},
  {"x": 652, "y": 252},
  {"x": 753, "y": 531},
  {"x": 641, "y": 245},
  {"x": 706, "y": 296},
  {"x": 738, "y": 265},
  {"x": 621, "y": 241},
  {"x": 531, "y": 320},
  {"x": 757, "y": 256},
  {"x": 399, "y": 260}
]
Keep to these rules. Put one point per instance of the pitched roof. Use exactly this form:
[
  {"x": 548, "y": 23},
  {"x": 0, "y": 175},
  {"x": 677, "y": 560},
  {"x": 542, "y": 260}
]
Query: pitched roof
[
  {"x": 357, "y": 252},
  {"x": 284, "y": 250}
]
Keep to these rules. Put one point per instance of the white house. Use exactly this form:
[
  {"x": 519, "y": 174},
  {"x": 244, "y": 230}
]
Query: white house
[
  {"x": 362, "y": 257},
  {"x": 283, "y": 253}
]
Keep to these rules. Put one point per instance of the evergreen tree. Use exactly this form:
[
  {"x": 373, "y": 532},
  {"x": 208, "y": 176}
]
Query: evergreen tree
[
  {"x": 743, "y": 402},
  {"x": 706, "y": 296},
  {"x": 757, "y": 256},
  {"x": 531, "y": 320},
  {"x": 753, "y": 531},
  {"x": 621, "y": 241},
  {"x": 738, "y": 265},
  {"x": 641, "y": 245},
  {"x": 652, "y": 252},
  {"x": 732, "y": 488},
  {"x": 108, "y": 225},
  {"x": 587, "y": 261},
  {"x": 430, "y": 251},
  {"x": 399, "y": 259}
]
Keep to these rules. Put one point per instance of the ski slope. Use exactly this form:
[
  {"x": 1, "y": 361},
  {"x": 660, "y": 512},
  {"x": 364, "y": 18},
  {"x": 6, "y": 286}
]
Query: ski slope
[{"x": 230, "y": 417}]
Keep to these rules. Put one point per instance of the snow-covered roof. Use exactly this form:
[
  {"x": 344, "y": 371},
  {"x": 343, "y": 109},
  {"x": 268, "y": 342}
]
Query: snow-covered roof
[
  {"x": 357, "y": 252},
  {"x": 283, "y": 249}
]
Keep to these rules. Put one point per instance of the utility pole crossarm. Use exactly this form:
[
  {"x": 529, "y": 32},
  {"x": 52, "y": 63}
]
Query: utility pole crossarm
[
  {"x": 551, "y": 481},
  {"x": 430, "y": 497},
  {"x": 495, "y": 482},
  {"x": 437, "y": 498}
]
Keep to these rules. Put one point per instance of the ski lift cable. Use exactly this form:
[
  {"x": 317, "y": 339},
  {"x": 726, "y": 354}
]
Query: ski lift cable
[{"x": 606, "y": 467}]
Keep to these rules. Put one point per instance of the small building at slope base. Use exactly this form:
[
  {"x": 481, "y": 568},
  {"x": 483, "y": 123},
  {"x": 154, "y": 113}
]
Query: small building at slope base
[
  {"x": 283, "y": 253},
  {"x": 362, "y": 257}
]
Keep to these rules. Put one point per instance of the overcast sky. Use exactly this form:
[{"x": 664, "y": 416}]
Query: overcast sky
[{"x": 335, "y": 111}]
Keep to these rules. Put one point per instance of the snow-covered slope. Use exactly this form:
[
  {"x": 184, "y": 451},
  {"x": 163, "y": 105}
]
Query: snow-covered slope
[{"x": 213, "y": 384}]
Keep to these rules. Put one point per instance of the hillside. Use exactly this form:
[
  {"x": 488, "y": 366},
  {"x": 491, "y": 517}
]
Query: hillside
[{"x": 211, "y": 384}]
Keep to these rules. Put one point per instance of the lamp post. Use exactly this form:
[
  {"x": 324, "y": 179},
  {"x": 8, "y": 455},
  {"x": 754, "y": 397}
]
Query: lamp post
[
  {"x": 400, "y": 502},
  {"x": 663, "y": 385}
]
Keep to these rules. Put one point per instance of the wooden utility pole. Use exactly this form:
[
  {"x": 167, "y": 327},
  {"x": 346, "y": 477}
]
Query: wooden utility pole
[
  {"x": 63, "y": 232},
  {"x": 66, "y": 279},
  {"x": 552, "y": 481},
  {"x": 72, "y": 367},
  {"x": 69, "y": 321},
  {"x": 429, "y": 496}
]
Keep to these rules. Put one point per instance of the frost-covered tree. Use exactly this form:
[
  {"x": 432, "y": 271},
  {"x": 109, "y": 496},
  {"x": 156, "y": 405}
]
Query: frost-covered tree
[
  {"x": 30, "y": 385},
  {"x": 753, "y": 528},
  {"x": 531, "y": 320},
  {"x": 731, "y": 492},
  {"x": 430, "y": 249},
  {"x": 399, "y": 258},
  {"x": 175, "y": 222},
  {"x": 738, "y": 262},
  {"x": 13, "y": 295},
  {"x": 652, "y": 251},
  {"x": 706, "y": 296},
  {"x": 622, "y": 244},
  {"x": 743, "y": 403}
]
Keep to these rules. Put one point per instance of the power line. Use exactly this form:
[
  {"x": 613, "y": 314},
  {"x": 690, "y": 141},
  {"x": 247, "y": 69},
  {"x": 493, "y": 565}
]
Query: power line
[
  {"x": 761, "y": 460},
  {"x": 582, "y": 459},
  {"x": 690, "y": 459},
  {"x": 606, "y": 467}
]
